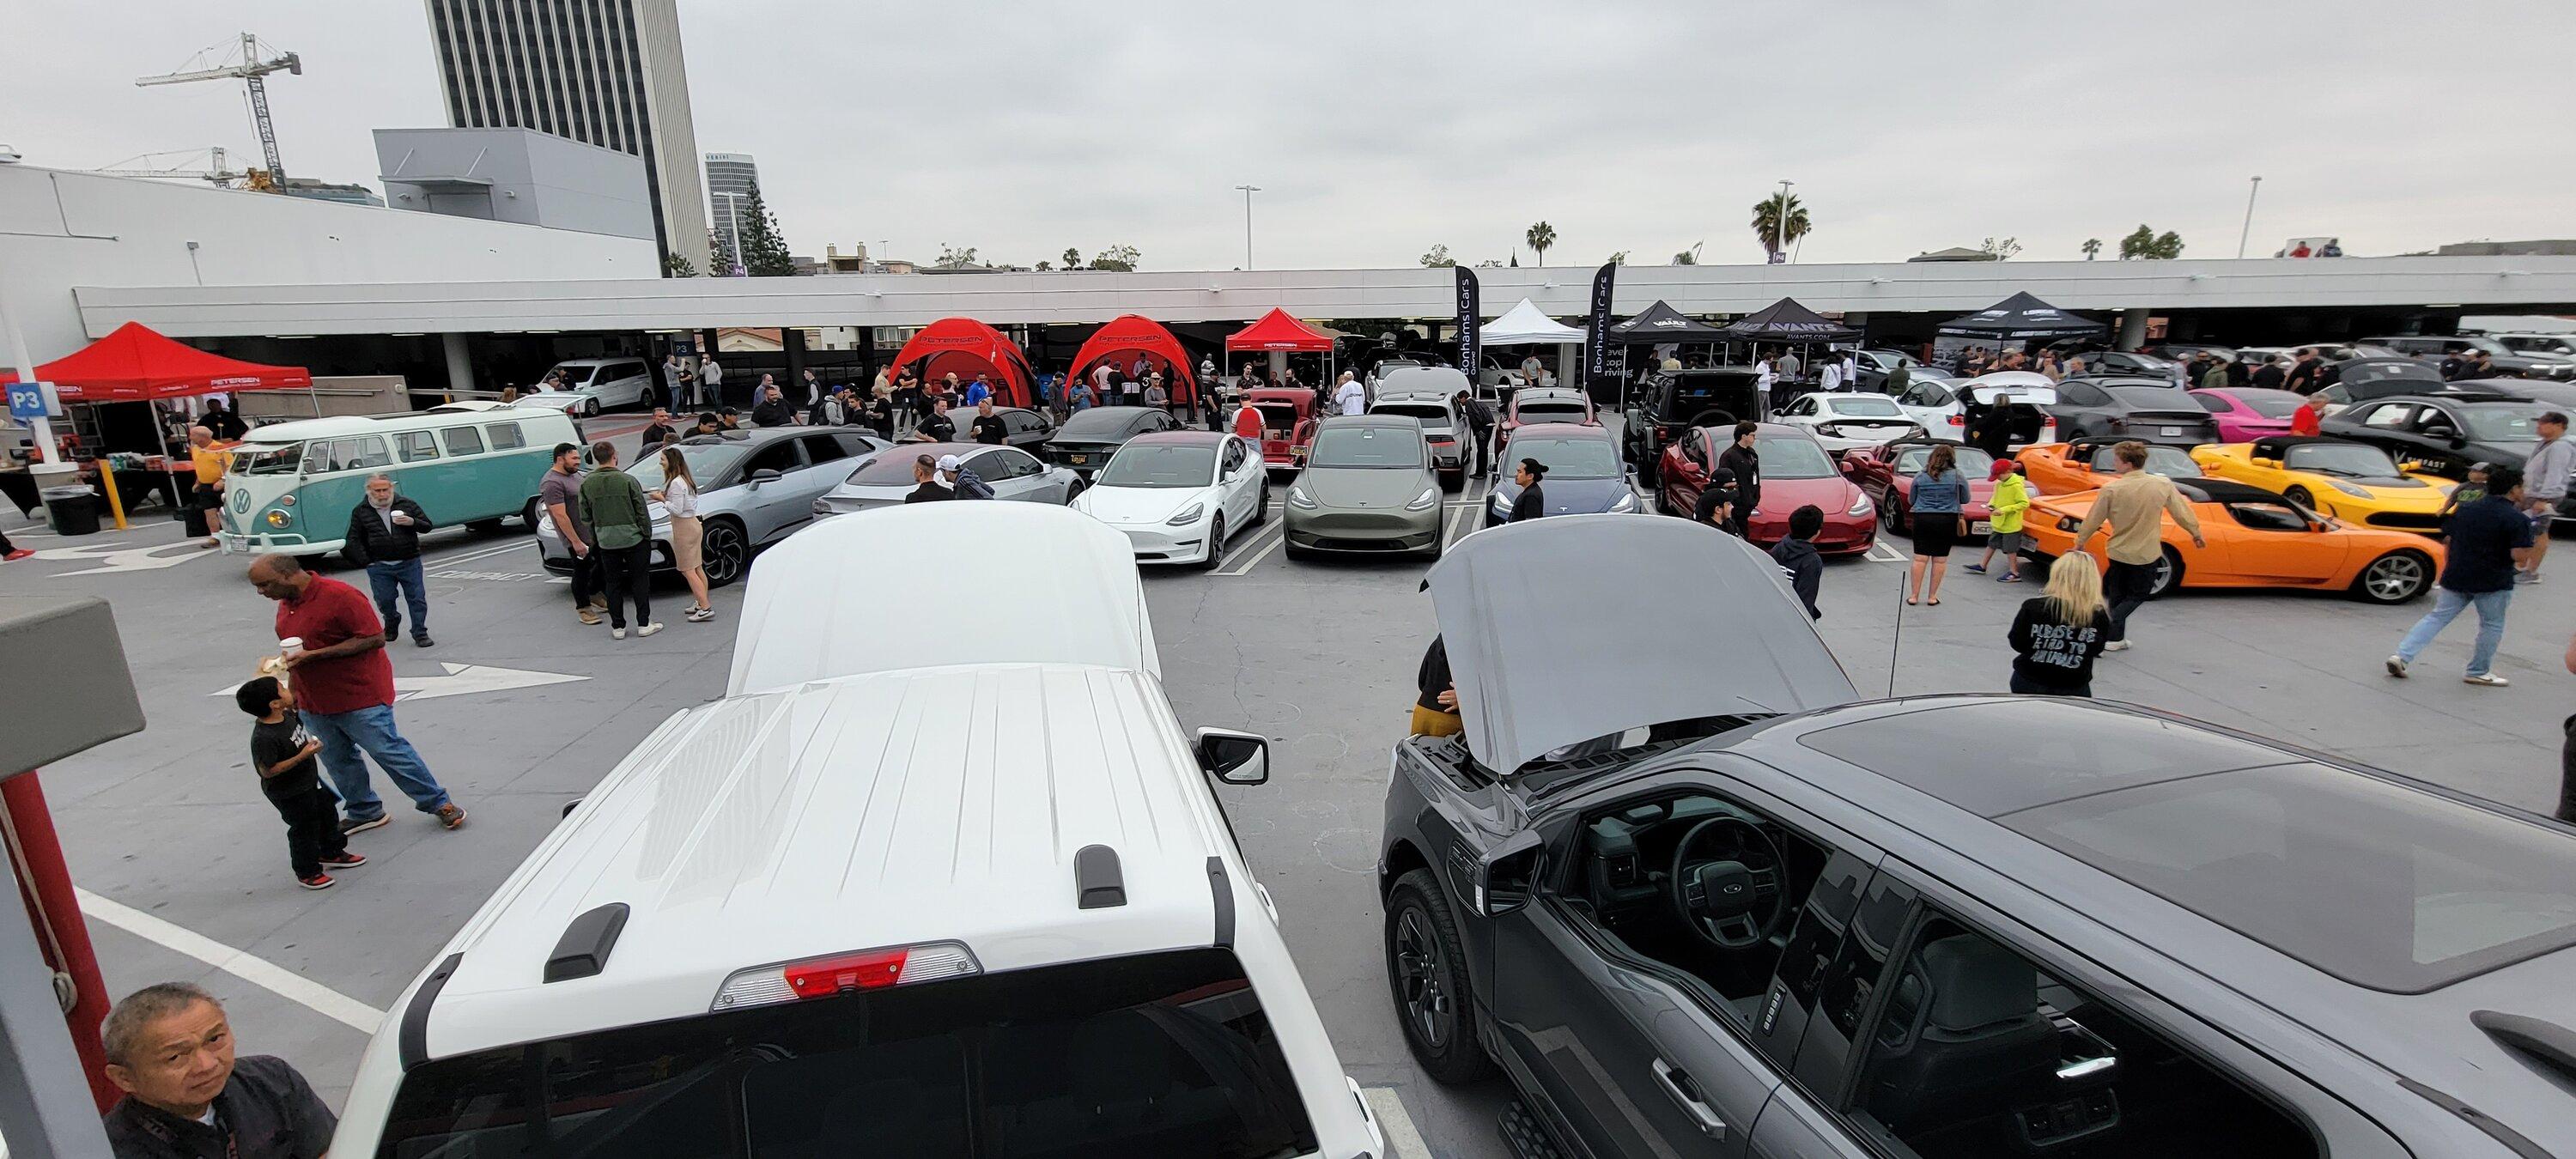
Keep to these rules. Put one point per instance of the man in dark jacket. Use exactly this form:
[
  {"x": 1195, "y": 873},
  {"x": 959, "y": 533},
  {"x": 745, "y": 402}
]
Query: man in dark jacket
[
  {"x": 926, "y": 487},
  {"x": 170, "y": 1049},
  {"x": 773, "y": 409},
  {"x": 384, "y": 534},
  {"x": 1797, "y": 556},
  {"x": 1741, "y": 459},
  {"x": 1480, "y": 427}
]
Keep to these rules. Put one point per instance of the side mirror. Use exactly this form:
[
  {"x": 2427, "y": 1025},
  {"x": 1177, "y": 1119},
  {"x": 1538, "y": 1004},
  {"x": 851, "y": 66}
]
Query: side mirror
[
  {"x": 1236, "y": 758},
  {"x": 1850, "y": 466},
  {"x": 1507, "y": 876},
  {"x": 2263, "y": 460},
  {"x": 763, "y": 475}
]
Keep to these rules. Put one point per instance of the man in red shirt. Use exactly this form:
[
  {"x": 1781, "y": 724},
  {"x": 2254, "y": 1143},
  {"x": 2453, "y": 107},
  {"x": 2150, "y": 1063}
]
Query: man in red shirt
[
  {"x": 2303, "y": 421},
  {"x": 344, "y": 684},
  {"x": 1247, "y": 425}
]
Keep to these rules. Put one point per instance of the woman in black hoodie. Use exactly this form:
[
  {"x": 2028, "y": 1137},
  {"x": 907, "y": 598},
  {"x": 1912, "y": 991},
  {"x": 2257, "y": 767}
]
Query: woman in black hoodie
[{"x": 2060, "y": 631}]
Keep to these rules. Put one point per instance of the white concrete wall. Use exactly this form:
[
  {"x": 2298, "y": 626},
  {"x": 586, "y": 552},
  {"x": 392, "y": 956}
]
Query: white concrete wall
[{"x": 63, "y": 230}]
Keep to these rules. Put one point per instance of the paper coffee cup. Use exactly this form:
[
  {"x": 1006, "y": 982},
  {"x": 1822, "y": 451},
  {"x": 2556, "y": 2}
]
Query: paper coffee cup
[{"x": 290, "y": 645}]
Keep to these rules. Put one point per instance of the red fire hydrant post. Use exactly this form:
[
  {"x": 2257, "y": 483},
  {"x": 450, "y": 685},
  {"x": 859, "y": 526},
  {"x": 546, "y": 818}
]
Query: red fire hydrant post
[{"x": 53, "y": 907}]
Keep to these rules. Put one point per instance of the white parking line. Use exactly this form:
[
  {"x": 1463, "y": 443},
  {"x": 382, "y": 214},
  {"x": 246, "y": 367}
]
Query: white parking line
[
  {"x": 1402, "y": 1138},
  {"x": 1881, "y": 545},
  {"x": 1272, "y": 535},
  {"x": 242, "y": 964},
  {"x": 471, "y": 554}
]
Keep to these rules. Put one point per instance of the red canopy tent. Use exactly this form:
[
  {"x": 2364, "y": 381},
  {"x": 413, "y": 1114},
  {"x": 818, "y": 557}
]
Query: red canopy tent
[
  {"x": 1277, "y": 331},
  {"x": 136, "y": 364},
  {"x": 966, "y": 346},
  {"x": 1135, "y": 333}
]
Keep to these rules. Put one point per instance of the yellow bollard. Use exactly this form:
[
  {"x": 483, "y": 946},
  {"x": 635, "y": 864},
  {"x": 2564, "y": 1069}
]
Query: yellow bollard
[{"x": 107, "y": 483}]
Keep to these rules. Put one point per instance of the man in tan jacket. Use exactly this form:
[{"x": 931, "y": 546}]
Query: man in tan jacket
[{"x": 2135, "y": 503}]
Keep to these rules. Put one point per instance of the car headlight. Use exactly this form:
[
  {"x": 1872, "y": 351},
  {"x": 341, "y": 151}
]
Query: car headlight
[
  {"x": 1626, "y": 503},
  {"x": 1188, "y": 515},
  {"x": 280, "y": 519},
  {"x": 1428, "y": 499},
  {"x": 1860, "y": 504},
  {"x": 1501, "y": 503},
  {"x": 1297, "y": 497},
  {"x": 2348, "y": 489}
]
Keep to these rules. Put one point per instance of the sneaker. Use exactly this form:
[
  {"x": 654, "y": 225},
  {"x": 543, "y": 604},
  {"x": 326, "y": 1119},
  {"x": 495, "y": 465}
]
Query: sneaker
[
  {"x": 648, "y": 629},
  {"x": 423, "y": 642},
  {"x": 17, "y": 555},
  {"x": 1975, "y": 569},
  {"x": 451, "y": 816},
  {"x": 317, "y": 881},
  {"x": 599, "y": 603},
  {"x": 2526, "y": 577},
  {"x": 617, "y": 633},
  {"x": 344, "y": 860},
  {"x": 390, "y": 633},
  {"x": 701, "y": 615},
  {"x": 2397, "y": 667},
  {"x": 590, "y": 616},
  {"x": 362, "y": 824},
  {"x": 2116, "y": 646},
  {"x": 2009, "y": 578},
  {"x": 2486, "y": 680}
]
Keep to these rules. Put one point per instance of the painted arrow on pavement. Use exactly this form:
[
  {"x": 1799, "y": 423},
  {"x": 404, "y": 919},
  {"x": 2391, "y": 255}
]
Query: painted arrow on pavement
[{"x": 463, "y": 680}]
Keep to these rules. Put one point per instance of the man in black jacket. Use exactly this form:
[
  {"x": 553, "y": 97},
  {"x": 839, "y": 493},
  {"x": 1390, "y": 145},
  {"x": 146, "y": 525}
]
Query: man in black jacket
[
  {"x": 1747, "y": 466},
  {"x": 773, "y": 409},
  {"x": 384, "y": 534},
  {"x": 170, "y": 1049},
  {"x": 1480, "y": 426}
]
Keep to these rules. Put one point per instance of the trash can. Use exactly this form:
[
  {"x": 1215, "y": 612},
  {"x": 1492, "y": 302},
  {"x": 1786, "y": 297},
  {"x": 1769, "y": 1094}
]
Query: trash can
[{"x": 71, "y": 510}]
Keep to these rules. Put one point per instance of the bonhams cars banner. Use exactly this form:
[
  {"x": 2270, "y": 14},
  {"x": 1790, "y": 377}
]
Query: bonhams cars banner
[
  {"x": 1469, "y": 319},
  {"x": 1596, "y": 335}
]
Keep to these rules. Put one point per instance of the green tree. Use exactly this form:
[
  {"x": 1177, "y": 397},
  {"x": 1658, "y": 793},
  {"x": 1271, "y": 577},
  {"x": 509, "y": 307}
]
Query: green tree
[
  {"x": 1072, "y": 258},
  {"x": 952, "y": 256},
  {"x": 1684, "y": 258},
  {"x": 2146, "y": 244},
  {"x": 1779, "y": 220},
  {"x": 1438, "y": 258},
  {"x": 2002, "y": 249},
  {"x": 1539, "y": 237},
  {"x": 720, "y": 255},
  {"x": 1491, "y": 264},
  {"x": 764, "y": 252},
  {"x": 1045, "y": 265},
  {"x": 2092, "y": 246},
  {"x": 1120, "y": 258},
  {"x": 675, "y": 266}
]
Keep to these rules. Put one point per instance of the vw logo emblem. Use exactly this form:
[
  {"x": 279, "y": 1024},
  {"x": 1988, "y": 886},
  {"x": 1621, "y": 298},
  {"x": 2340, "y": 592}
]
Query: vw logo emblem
[{"x": 241, "y": 501}]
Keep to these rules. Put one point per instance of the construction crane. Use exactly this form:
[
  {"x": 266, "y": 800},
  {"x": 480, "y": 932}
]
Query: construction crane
[
  {"x": 250, "y": 68},
  {"x": 149, "y": 165}
]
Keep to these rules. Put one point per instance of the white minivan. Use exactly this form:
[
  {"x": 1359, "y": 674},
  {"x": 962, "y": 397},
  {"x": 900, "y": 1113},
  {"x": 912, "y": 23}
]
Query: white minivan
[{"x": 911, "y": 889}]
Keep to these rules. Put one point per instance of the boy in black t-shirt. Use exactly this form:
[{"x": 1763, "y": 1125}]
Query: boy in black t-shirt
[{"x": 281, "y": 752}]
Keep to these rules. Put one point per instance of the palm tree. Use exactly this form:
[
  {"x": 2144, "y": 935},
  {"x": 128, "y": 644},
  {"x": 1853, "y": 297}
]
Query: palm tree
[
  {"x": 1540, "y": 237},
  {"x": 2092, "y": 246},
  {"x": 1779, "y": 220}
]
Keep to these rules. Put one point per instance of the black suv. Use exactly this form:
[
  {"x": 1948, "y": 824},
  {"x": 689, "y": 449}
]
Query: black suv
[
  {"x": 1703, "y": 902},
  {"x": 1677, "y": 400}
]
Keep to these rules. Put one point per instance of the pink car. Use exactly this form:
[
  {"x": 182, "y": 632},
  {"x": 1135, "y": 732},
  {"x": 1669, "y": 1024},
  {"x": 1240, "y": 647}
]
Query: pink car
[{"x": 2247, "y": 413}]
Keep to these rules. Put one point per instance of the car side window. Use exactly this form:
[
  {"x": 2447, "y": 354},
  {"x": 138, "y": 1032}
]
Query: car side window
[
  {"x": 991, "y": 466},
  {"x": 1978, "y": 1050},
  {"x": 416, "y": 446},
  {"x": 2268, "y": 516},
  {"x": 821, "y": 449},
  {"x": 2388, "y": 416},
  {"x": 2212, "y": 403},
  {"x": 1233, "y": 457},
  {"x": 505, "y": 436},
  {"x": 463, "y": 440},
  {"x": 2082, "y": 394},
  {"x": 2429, "y": 419},
  {"x": 855, "y": 444},
  {"x": 779, "y": 456}
]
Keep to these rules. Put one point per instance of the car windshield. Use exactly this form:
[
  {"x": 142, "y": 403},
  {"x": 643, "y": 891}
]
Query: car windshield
[
  {"x": 1792, "y": 458},
  {"x": 1973, "y": 463},
  {"x": 2503, "y": 424},
  {"x": 1433, "y": 416},
  {"x": 1569, "y": 458},
  {"x": 1365, "y": 447},
  {"x": 1156, "y": 1054},
  {"x": 574, "y": 375},
  {"x": 887, "y": 470},
  {"x": 1550, "y": 412},
  {"x": 1098, "y": 422},
  {"x": 707, "y": 462},
  {"x": 1159, "y": 465},
  {"x": 2384, "y": 886},
  {"x": 2170, "y": 462},
  {"x": 1868, "y": 406},
  {"x": 2154, "y": 398},
  {"x": 267, "y": 458},
  {"x": 2346, "y": 459}
]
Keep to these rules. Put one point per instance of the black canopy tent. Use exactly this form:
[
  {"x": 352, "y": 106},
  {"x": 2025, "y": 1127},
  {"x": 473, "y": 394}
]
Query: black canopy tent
[
  {"x": 1783, "y": 323},
  {"x": 1658, "y": 325},
  {"x": 2020, "y": 318}
]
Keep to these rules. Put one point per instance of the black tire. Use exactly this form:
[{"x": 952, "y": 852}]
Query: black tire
[
  {"x": 1453, "y": 481},
  {"x": 1892, "y": 516},
  {"x": 1426, "y": 975},
  {"x": 483, "y": 526},
  {"x": 2395, "y": 578},
  {"x": 1216, "y": 544},
  {"x": 2168, "y": 575},
  {"x": 1261, "y": 503},
  {"x": 2300, "y": 496},
  {"x": 725, "y": 551},
  {"x": 590, "y": 407},
  {"x": 528, "y": 515}
]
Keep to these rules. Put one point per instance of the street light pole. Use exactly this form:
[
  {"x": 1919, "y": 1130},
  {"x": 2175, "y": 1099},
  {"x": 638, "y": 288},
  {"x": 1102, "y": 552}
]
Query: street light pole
[
  {"x": 1248, "y": 191},
  {"x": 2249, "y": 216},
  {"x": 1780, "y": 221}
]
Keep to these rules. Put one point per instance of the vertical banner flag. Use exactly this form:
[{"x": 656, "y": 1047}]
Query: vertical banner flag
[
  {"x": 1469, "y": 319},
  {"x": 1596, "y": 338}
]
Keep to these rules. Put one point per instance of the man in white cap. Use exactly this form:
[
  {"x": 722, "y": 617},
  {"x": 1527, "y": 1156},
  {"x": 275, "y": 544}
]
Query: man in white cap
[{"x": 964, "y": 482}]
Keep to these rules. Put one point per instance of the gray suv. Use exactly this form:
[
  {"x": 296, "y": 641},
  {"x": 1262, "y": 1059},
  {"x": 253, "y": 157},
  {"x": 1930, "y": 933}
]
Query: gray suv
[{"x": 1713, "y": 904}]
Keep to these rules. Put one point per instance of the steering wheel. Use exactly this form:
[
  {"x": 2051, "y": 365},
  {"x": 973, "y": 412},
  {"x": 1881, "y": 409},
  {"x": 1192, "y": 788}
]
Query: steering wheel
[{"x": 1733, "y": 901}]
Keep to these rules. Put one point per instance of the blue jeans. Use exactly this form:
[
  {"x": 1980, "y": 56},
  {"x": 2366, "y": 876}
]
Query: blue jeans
[
  {"x": 344, "y": 734},
  {"x": 403, "y": 575},
  {"x": 2447, "y": 605}
]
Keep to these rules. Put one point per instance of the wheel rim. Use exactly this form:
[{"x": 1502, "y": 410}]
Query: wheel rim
[
  {"x": 2300, "y": 496},
  {"x": 2164, "y": 575},
  {"x": 1418, "y": 973},
  {"x": 2394, "y": 577},
  {"x": 723, "y": 555},
  {"x": 1216, "y": 541}
]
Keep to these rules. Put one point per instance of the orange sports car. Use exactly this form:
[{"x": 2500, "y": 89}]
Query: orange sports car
[
  {"x": 2257, "y": 539},
  {"x": 2084, "y": 464}
]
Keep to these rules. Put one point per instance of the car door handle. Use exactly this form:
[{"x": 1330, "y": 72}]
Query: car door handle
[{"x": 1678, "y": 1085}]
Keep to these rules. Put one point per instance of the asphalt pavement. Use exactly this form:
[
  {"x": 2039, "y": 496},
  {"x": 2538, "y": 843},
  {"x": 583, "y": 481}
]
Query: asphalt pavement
[{"x": 520, "y": 709}]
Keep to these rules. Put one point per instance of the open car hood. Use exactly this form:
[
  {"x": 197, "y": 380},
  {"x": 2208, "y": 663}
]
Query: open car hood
[{"x": 1547, "y": 647}]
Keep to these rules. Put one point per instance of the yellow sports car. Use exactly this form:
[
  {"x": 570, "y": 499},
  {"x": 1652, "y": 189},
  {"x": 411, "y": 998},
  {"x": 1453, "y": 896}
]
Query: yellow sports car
[{"x": 2354, "y": 482}]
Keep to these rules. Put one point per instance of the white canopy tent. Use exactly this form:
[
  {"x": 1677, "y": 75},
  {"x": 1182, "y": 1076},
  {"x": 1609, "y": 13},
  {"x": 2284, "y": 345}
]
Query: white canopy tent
[{"x": 1526, "y": 325}]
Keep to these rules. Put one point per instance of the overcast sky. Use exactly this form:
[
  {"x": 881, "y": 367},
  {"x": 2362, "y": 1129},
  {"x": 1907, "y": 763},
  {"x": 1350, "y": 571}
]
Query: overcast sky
[{"x": 1377, "y": 130}]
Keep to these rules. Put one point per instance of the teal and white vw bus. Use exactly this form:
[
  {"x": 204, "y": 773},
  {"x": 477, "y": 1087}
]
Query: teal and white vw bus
[{"x": 293, "y": 485}]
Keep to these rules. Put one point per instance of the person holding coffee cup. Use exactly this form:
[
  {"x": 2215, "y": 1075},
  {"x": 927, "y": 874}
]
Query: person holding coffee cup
[
  {"x": 332, "y": 641},
  {"x": 384, "y": 534}
]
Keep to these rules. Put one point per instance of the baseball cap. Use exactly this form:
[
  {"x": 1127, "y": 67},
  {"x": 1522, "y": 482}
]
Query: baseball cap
[
  {"x": 948, "y": 462},
  {"x": 2002, "y": 468}
]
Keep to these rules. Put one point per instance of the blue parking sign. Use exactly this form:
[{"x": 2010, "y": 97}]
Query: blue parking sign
[{"x": 26, "y": 401}]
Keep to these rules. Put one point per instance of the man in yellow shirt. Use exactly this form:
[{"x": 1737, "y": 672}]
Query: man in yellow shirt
[
  {"x": 207, "y": 493},
  {"x": 2135, "y": 503}
]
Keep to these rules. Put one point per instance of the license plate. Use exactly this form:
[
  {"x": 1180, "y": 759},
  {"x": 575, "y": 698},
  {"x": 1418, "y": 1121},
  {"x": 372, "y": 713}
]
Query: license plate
[
  {"x": 1981, "y": 527},
  {"x": 2172, "y": 432},
  {"x": 1077, "y": 460}
]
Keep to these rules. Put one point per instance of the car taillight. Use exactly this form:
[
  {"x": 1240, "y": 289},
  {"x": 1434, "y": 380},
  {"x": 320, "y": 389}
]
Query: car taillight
[
  {"x": 841, "y": 973},
  {"x": 1958, "y": 420}
]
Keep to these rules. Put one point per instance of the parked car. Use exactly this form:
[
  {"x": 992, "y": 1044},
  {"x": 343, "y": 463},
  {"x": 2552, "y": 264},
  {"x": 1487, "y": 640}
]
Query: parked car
[
  {"x": 755, "y": 487},
  {"x": 1015, "y": 476},
  {"x": 2129, "y": 364},
  {"x": 2336, "y": 478},
  {"x": 2441, "y": 434},
  {"x": 2149, "y": 410},
  {"x": 1178, "y": 496},
  {"x": 2089, "y": 462},
  {"x": 1844, "y": 421},
  {"x": 1797, "y": 471},
  {"x": 2544, "y": 345},
  {"x": 1086, "y": 440},
  {"x": 893, "y": 886},
  {"x": 1940, "y": 405},
  {"x": 1285, "y": 416},
  {"x": 1444, "y": 430},
  {"x": 1548, "y": 404},
  {"x": 2558, "y": 396},
  {"x": 1368, "y": 487},
  {"x": 1875, "y": 365},
  {"x": 1584, "y": 475},
  {"x": 2513, "y": 363},
  {"x": 1022, "y": 427},
  {"x": 2247, "y": 413},
  {"x": 605, "y": 383},
  {"x": 1886, "y": 473},
  {"x": 1707, "y": 901},
  {"x": 293, "y": 484},
  {"x": 1677, "y": 400},
  {"x": 2257, "y": 539}
]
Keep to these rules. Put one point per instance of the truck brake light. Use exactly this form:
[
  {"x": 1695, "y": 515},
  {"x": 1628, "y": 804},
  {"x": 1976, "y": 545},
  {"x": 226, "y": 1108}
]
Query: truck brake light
[{"x": 834, "y": 974}]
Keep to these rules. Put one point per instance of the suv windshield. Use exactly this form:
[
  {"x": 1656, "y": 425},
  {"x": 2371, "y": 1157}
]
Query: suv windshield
[
  {"x": 1159, "y": 465},
  {"x": 1365, "y": 447},
  {"x": 1159, "y": 1054},
  {"x": 1572, "y": 458}
]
